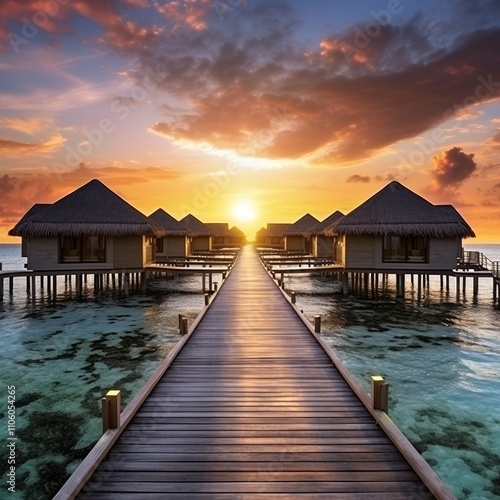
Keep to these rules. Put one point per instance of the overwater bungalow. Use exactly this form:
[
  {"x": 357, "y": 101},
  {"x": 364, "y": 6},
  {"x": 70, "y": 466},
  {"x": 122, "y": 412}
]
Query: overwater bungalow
[
  {"x": 396, "y": 229},
  {"x": 201, "y": 235},
  {"x": 270, "y": 236},
  {"x": 237, "y": 237},
  {"x": 226, "y": 238},
  {"x": 296, "y": 236},
  {"x": 90, "y": 228},
  {"x": 322, "y": 245},
  {"x": 177, "y": 241}
]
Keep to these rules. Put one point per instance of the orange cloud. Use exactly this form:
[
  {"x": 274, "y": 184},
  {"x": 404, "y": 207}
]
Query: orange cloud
[
  {"x": 37, "y": 16},
  {"x": 337, "y": 111},
  {"x": 15, "y": 148},
  {"x": 191, "y": 13},
  {"x": 20, "y": 191}
]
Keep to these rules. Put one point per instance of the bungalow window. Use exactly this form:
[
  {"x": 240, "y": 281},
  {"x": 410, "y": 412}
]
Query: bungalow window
[
  {"x": 159, "y": 245},
  {"x": 83, "y": 249},
  {"x": 218, "y": 240},
  {"x": 276, "y": 240},
  {"x": 412, "y": 249}
]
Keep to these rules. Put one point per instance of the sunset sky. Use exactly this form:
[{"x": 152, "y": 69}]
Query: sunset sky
[{"x": 285, "y": 106}]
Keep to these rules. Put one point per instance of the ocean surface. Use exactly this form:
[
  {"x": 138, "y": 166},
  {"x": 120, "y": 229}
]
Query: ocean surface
[
  {"x": 441, "y": 358},
  {"x": 63, "y": 357},
  {"x": 440, "y": 355}
]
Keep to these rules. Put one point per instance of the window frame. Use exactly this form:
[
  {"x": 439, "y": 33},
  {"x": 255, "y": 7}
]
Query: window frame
[
  {"x": 79, "y": 257},
  {"x": 411, "y": 244}
]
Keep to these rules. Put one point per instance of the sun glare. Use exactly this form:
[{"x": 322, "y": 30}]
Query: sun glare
[{"x": 243, "y": 211}]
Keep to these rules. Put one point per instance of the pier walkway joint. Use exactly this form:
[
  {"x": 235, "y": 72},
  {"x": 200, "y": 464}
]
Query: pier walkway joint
[{"x": 252, "y": 407}]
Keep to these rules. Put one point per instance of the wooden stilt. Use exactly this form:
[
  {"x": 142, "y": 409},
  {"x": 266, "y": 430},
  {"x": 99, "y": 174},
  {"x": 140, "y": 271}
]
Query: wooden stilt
[{"x": 475, "y": 286}]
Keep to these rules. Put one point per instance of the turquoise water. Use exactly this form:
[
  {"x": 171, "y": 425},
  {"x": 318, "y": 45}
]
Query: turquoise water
[
  {"x": 63, "y": 357},
  {"x": 441, "y": 357}
]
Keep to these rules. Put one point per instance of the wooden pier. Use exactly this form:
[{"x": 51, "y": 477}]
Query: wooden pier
[
  {"x": 45, "y": 283},
  {"x": 253, "y": 404}
]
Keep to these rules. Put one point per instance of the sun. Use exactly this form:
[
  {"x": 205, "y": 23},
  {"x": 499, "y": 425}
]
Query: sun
[{"x": 243, "y": 211}]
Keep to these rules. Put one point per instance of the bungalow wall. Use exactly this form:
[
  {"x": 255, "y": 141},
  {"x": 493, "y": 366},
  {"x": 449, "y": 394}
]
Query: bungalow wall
[
  {"x": 322, "y": 246},
  {"x": 43, "y": 255},
  {"x": 131, "y": 252},
  {"x": 276, "y": 242},
  {"x": 201, "y": 244},
  {"x": 174, "y": 246},
  {"x": 365, "y": 252},
  {"x": 219, "y": 242},
  {"x": 295, "y": 244}
]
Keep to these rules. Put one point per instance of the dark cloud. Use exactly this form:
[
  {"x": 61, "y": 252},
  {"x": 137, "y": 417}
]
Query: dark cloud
[
  {"x": 358, "y": 92},
  {"x": 359, "y": 178},
  {"x": 401, "y": 84},
  {"x": 452, "y": 168},
  {"x": 19, "y": 193}
]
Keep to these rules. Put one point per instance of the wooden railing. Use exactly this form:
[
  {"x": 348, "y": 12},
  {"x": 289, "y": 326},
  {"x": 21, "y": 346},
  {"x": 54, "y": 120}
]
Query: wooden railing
[
  {"x": 496, "y": 269},
  {"x": 475, "y": 258}
]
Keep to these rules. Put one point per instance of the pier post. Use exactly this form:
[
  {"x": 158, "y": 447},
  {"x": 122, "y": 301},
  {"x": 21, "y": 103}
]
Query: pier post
[
  {"x": 447, "y": 283},
  {"x": 1, "y": 288},
  {"x": 292, "y": 297},
  {"x": 345, "y": 283},
  {"x": 111, "y": 404},
  {"x": 184, "y": 326},
  {"x": 317, "y": 324},
  {"x": 28, "y": 288},
  {"x": 126, "y": 284},
  {"x": 476, "y": 286},
  {"x": 33, "y": 287},
  {"x": 216, "y": 285},
  {"x": 11, "y": 285},
  {"x": 207, "y": 299},
  {"x": 210, "y": 277},
  {"x": 380, "y": 394}
]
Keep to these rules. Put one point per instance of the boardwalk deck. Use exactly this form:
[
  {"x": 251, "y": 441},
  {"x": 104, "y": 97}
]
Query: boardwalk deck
[{"x": 252, "y": 407}]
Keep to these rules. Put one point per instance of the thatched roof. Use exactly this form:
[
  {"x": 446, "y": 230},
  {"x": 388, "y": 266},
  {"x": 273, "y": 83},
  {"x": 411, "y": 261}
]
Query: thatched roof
[
  {"x": 321, "y": 226},
  {"x": 221, "y": 228},
  {"x": 262, "y": 233},
  {"x": 397, "y": 211},
  {"x": 92, "y": 210},
  {"x": 300, "y": 227},
  {"x": 172, "y": 226},
  {"x": 276, "y": 228},
  {"x": 236, "y": 232},
  {"x": 34, "y": 210},
  {"x": 197, "y": 227}
]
